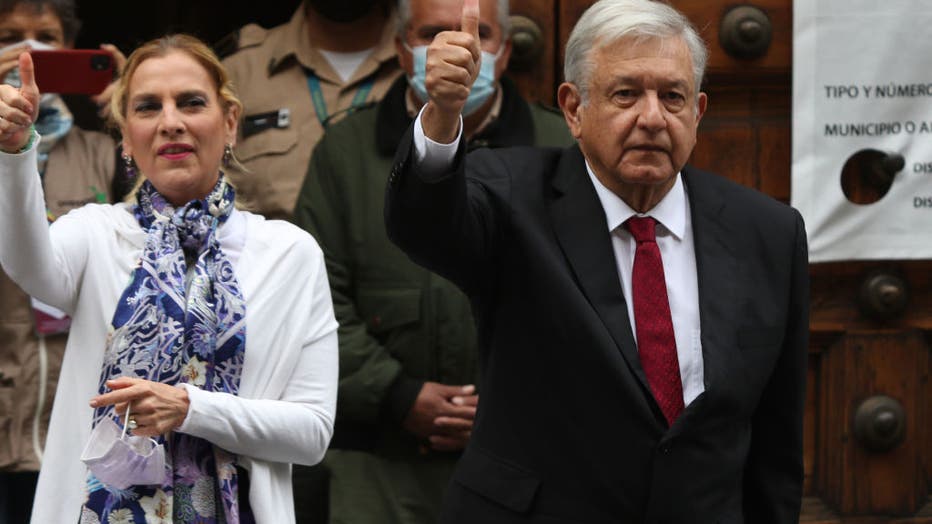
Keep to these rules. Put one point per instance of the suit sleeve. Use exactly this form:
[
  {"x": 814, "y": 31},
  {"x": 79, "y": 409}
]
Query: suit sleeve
[
  {"x": 371, "y": 379},
  {"x": 450, "y": 224},
  {"x": 773, "y": 481}
]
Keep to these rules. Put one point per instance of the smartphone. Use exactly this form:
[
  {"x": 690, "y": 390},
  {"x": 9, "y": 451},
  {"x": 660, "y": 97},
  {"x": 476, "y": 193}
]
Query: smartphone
[{"x": 73, "y": 71}]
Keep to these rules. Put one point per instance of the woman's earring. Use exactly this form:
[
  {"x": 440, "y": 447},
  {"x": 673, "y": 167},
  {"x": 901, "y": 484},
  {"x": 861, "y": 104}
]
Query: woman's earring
[
  {"x": 228, "y": 155},
  {"x": 130, "y": 166}
]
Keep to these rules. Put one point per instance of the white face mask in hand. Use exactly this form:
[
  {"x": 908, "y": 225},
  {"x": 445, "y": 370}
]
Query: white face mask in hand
[{"x": 120, "y": 460}]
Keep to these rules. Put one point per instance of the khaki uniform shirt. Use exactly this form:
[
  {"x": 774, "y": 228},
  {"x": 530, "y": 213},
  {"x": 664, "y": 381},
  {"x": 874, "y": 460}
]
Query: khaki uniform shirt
[
  {"x": 269, "y": 74},
  {"x": 79, "y": 171}
]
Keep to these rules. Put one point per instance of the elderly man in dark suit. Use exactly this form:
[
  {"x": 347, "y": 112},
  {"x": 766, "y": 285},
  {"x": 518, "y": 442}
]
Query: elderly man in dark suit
[{"x": 643, "y": 324}]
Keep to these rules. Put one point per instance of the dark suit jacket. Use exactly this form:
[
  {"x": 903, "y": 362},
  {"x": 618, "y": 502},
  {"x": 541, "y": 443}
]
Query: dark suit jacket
[{"x": 567, "y": 430}]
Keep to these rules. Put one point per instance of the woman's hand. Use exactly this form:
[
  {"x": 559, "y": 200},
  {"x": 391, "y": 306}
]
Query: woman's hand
[
  {"x": 157, "y": 408},
  {"x": 18, "y": 107},
  {"x": 103, "y": 99}
]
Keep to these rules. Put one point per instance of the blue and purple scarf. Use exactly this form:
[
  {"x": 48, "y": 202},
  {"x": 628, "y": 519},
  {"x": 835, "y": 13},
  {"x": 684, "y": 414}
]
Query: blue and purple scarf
[{"x": 166, "y": 331}]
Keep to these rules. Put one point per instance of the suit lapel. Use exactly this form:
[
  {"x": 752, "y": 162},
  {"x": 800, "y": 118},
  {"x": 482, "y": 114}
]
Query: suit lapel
[
  {"x": 717, "y": 267},
  {"x": 581, "y": 230}
]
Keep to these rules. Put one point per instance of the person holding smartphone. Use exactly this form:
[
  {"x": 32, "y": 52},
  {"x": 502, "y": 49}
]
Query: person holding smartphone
[{"x": 76, "y": 167}]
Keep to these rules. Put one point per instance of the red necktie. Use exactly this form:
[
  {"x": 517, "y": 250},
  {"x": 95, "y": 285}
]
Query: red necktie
[{"x": 656, "y": 343}]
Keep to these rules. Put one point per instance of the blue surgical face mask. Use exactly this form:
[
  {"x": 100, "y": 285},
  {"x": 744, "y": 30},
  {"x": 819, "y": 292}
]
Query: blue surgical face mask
[{"x": 482, "y": 88}]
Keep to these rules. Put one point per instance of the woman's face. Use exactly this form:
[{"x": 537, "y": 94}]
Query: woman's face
[
  {"x": 25, "y": 23},
  {"x": 176, "y": 127}
]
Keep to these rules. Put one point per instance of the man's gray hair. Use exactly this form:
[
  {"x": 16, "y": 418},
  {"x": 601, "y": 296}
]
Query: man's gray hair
[
  {"x": 404, "y": 16},
  {"x": 610, "y": 20}
]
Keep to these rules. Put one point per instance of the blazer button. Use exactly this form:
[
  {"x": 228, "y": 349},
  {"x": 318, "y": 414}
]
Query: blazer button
[{"x": 665, "y": 448}]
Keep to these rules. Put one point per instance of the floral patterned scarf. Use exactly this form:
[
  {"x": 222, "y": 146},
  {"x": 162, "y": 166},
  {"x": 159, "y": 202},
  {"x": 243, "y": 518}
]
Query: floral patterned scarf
[{"x": 165, "y": 333}]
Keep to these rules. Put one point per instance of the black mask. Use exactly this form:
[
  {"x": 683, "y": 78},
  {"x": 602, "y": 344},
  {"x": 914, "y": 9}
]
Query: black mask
[{"x": 342, "y": 11}]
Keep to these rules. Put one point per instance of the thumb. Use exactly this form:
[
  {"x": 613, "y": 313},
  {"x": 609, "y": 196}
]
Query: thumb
[
  {"x": 470, "y": 18},
  {"x": 27, "y": 75},
  {"x": 455, "y": 391}
]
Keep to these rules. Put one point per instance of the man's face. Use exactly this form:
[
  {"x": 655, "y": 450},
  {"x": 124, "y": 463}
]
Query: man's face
[
  {"x": 639, "y": 124},
  {"x": 429, "y": 17}
]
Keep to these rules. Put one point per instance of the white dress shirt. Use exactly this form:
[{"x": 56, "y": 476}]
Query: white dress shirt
[{"x": 674, "y": 238}]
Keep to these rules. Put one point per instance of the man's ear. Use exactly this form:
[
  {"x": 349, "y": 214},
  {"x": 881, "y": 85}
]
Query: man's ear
[
  {"x": 404, "y": 56},
  {"x": 502, "y": 64},
  {"x": 702, "y": 103},
  {"x": 570, "y": 100}
]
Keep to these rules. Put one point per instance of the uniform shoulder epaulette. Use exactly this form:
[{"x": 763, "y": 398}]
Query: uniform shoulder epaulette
[
  {"x": 227, "y": 45},
  {"x": 245, "y": 37}
]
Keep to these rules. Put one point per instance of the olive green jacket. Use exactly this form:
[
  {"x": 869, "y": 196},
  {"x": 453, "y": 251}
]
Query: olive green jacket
[{"x": 400, "y": 325}]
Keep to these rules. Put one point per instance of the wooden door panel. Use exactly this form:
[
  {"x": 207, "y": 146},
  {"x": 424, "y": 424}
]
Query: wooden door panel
[
  {"x": 706, "y": 15},
  {"x": 765, "y": 149},
  {"x": 537, "y": 80},
  {"x": 728, "y": 147},
  {"x": 861, "y": 365},
  {"x": 774, "y": 147},
  {"x": 835, "y": 288},
  {"x": 810, "y": 422}
]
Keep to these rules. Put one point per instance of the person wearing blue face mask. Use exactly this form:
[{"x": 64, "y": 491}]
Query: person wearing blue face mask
[{"x": 408, "y": 358}]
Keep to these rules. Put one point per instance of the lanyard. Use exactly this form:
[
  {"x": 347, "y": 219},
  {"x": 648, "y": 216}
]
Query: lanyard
[{"x": 317, "y": 96}]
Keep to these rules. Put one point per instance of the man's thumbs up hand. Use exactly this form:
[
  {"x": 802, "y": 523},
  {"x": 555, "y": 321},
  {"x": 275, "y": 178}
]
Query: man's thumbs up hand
[{"x": 452, "y": 67}]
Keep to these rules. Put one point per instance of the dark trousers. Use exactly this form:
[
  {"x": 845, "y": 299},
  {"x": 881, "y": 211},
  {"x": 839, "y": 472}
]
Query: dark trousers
[
  {"x": 310, "y": 485},
  {"x": 16, "y": 492}
]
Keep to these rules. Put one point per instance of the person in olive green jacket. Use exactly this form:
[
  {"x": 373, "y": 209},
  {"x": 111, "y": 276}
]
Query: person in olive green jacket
[{"x": 408, "y": 349}]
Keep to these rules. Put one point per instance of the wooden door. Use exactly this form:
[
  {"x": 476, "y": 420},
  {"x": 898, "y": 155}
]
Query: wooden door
[{"x": 868, "y": 383}]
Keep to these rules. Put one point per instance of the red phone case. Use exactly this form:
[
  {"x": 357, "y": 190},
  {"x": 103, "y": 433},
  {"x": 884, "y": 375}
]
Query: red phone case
[{"x": 73, "y": 71}]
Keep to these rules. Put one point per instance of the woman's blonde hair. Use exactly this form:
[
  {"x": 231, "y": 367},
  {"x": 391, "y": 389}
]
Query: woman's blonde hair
[{"x": 160, "y": 47}]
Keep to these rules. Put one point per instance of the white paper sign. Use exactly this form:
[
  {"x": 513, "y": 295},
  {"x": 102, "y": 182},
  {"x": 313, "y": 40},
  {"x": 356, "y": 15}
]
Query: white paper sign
[{"x": 862, "y": 80}]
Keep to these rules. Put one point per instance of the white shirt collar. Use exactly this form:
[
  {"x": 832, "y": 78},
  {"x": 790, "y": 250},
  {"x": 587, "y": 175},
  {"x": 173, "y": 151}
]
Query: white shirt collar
[{"x": 669, "y": 212}]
